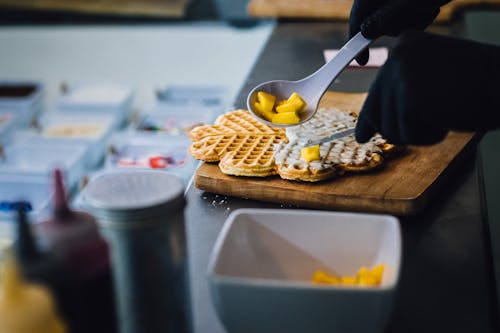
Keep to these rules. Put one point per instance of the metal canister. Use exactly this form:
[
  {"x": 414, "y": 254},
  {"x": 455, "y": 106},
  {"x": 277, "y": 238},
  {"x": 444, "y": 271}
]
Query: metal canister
[{"x": 141, "y": 213}]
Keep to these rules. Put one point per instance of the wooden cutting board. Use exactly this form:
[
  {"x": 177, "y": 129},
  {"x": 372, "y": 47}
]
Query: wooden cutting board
[
  {"x": 151, "y": 8},
  {"x": 402, "y": 187},
  {"x": 340, "y": 9}
]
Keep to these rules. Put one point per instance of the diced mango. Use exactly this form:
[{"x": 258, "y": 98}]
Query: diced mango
[
  {"x": 295, "y": 96},
  {"x": 365, "y": 277},
  {"x": 266, "y": 101},
  {"x": 310, "y": 153},
  {"x": 293, "y": 104},
  {"x": 286, "y": 118},
  {"x": 267, "y": 115},
  {"x": 321, "y": 277},
  {"x": 267, "y": 106},
  {"x": 348, "y": 280},
  {"x": 367, "y": 280},
  {"x": 377, "y": 273},
  {"x": 287, "y": 107}
]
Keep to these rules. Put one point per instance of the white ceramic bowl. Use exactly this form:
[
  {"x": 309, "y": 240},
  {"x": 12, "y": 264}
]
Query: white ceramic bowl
[{"x": 261, "y": 268}]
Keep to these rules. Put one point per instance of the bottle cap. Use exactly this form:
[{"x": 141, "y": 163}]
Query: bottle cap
[
  {"x": 131, "y": 199},
  {"x": 73, "y": 234}
]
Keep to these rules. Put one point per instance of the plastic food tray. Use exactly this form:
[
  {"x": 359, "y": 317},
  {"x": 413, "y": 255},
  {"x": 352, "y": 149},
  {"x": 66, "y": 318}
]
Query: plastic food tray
[
  {"x": 99, "y": 97},
  {"x": 8, "y": 122},
  {"x": 38, "y": 159},
  {"x": 207, "y": 95},
  {"x": 13, "y": 189},
  {"x": 93, "y": 130},
  {"x": 173, "y": 122},
  {"x": 23, "y": 97},
  {"x": 138, "y": 152}
]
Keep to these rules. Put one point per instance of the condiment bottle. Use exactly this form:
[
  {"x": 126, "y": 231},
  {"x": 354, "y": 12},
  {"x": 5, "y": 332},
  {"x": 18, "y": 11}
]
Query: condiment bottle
[
  {"x": 86, "y": 297},
  {"x": 25, "y": 307},
  {"x": 141, "y": 213},
  {"x": 46, "y": 268}
]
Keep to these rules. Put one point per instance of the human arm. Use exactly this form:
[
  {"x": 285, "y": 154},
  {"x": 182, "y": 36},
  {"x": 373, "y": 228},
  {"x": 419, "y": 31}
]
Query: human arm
[
  {"x": 375, "y": 18},
  {"x": 432, "y": 84}
]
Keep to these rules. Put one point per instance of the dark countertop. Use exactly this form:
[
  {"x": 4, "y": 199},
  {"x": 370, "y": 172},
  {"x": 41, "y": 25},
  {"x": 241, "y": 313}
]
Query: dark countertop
[{"x": 447, "y": 280}]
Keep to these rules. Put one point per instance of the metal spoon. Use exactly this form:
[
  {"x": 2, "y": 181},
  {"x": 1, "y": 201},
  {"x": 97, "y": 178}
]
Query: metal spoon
[{"x": 311, "y": 88}]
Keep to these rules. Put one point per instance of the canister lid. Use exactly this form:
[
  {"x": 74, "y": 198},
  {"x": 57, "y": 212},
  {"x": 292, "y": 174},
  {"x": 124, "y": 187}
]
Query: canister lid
[{"x": 134, "y": 198}]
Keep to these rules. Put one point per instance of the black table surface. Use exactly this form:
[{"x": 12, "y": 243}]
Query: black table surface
[{"x": 447, "y": 278}]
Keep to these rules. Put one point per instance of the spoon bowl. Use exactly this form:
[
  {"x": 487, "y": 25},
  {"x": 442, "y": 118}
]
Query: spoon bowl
[
  {"x": 311, "y": 88},
  {"x": 282, "y": 89}
]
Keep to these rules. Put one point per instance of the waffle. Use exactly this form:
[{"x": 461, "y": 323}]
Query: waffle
[
  {"x": 291, "y": 166},
  {"x": 337, "y": 156},
  {"x": 242, "y": 144},
  {"x": 238, "y": 122},
  {"x": 254, "y": 157}
]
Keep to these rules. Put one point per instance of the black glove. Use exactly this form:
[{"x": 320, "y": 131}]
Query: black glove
[
  {"x": 431, "y": 84},
  {"x": 376, "y": 18}
]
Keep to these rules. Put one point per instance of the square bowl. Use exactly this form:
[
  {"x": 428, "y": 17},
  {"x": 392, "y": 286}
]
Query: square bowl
[
  {"x": 98, "y": 97},
  {"x": 134, "y": 152},
  {"x": 91, "y": 130},
  {"x": 263, "y": 261},
  {"x": 39, "y": 159},
  {"x": 25, "y": 98},
  {"x": 35, "y": 191}
]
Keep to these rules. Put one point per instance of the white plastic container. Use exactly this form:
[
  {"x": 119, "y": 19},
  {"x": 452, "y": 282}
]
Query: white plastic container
[
  {"x": 174, "y": 122},
  {"x": 200, "y": 95},
  {"x": 35, "y": 191},
  {"x": 8, "y": 122},
  {"x": 264, "y": 259},
  {"x": 38, "y": 160},
  {"x": 139, "y": 152},
  {"x": 98, "y": 97},
  {"x": 92, "y": 130},
  {"x": 25, "y": 98}
]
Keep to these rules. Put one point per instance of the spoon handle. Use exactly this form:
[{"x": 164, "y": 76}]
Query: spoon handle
[{"x": 322, "y": 78}]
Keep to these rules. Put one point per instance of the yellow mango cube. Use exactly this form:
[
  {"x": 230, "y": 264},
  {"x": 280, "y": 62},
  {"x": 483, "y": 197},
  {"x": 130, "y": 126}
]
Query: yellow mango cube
[
  {"x": 285, "y": 118},
  {"x": 348, "y": 280},
  {"x": 367, "y": 280},
  {"x": 287, "y": 107},
  {"x": 366, "y": 277},
  {"x": 377, "y": 273},
  {"x": 294, "y": 103},
  {"x": 267, "y": 115},
  {"x": 297, "y": 99},
  {"x": 310, "y": 153},
  {"x": 266, "y": 101},
  {"x": 321, "y": 277}
]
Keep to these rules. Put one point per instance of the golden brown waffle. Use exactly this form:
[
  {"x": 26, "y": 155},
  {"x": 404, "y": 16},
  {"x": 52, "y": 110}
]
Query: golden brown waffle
[
  {"x": 242, "y": 144},
  {"x": 337, "y": 156},
  {"x": 254, "y": 157},
  {"x": 236, "y": 122},
  {"x": 245, "y": 147}
]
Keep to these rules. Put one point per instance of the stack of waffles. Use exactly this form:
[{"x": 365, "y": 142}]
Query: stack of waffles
[{"x": 243, "y": 146}]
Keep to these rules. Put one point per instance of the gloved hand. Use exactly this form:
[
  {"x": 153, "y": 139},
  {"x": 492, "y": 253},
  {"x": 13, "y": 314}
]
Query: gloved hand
[
  {"x": 431, "y": 84},
  {"x": 376, "y": 18}
]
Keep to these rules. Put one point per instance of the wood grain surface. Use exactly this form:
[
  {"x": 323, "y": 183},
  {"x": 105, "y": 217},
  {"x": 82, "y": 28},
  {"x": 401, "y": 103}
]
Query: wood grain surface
[
  {"x": 340, "y": 9},
  {"x": 403, "y": 186},
  {"x": 152, "y": 8}
]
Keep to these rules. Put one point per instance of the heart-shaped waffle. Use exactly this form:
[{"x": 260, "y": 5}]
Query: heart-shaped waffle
[
  {"x": 246, "y": 147},
  {"x": 337, "y": 156},
  {"x": 242, "y": 144}
]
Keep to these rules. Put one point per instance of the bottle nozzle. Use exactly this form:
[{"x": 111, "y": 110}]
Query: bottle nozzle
[
  {"x": 25, "y": 245},
  {"x": 61, "y": 208}
]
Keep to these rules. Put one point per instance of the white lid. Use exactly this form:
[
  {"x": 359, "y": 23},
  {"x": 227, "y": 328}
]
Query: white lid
[{"x": 125, "y": 198}]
